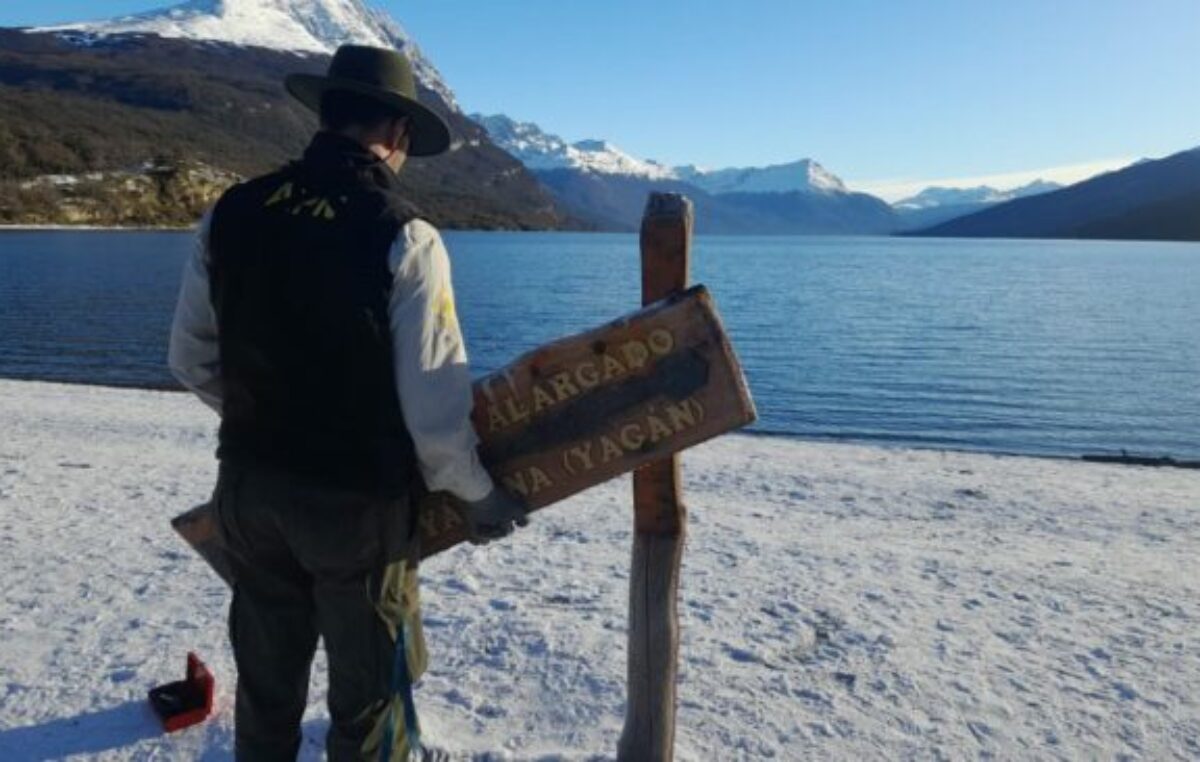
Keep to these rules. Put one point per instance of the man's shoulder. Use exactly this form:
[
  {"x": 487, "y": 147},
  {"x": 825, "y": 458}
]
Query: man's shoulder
[
  {"x": 248, "y": 194},
  {"x": 400, "y": 208},
  {"x": 418, "y": 245},
  {"x": 419, "y": 230}
]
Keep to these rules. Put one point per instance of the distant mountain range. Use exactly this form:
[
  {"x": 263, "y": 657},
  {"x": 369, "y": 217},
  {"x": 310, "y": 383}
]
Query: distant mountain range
[
  {"x": 540, "y": 150},
  {"x": 938, "y": 204},
  {"x": 144, "y": 119},
  {"x": 1154, "y": 199},
  {"x": 598, "y": 182}
]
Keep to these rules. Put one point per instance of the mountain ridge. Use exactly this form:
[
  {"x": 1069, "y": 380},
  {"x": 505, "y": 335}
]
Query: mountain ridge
[
  {"x": 194, "y": 90},
  {"x": 541, "y": 150},
  {"x": 937, "y": 204},
  {"x": 938, "y": 195},
  {"x": 598, "y": 182},
  {"x": 136, "y": 98},
  {"x": 1153, "y": 199},
  {"x": 303, "y": 26}
]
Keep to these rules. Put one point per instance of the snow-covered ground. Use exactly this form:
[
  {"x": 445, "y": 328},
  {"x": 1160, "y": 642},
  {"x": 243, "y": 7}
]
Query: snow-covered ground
[{"x": 838, "y": 602}]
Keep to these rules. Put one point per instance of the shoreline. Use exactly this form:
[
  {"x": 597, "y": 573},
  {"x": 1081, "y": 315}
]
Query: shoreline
[
  {"x": 60, "y": 228},
  {"x": 1168, "y": 461},
  {"x": 54, "y": 228}
]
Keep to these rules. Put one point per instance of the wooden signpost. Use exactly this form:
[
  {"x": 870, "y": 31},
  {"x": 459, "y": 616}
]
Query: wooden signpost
[
  {"x": 575, "y": 413},
  {"x": 660, "y": 520}
]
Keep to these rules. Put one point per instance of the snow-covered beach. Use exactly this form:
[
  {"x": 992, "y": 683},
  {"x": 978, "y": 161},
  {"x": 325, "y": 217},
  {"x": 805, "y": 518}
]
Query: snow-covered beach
[{"x": 838, "y": 602}]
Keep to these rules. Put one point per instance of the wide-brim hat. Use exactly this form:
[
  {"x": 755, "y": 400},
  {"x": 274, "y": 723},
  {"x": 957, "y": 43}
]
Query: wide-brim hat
[{"x": 385, "y": 76}]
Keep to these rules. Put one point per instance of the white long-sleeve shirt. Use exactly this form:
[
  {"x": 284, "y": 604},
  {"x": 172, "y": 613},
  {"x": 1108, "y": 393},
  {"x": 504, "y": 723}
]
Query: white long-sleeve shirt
[{"x": 433, "y": 380}]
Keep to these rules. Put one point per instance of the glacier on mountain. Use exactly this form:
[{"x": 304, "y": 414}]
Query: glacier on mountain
[
  {"x": 300, "y": 26},
  {"x": 806, "y": 176},
  {"x": 539, "y": 150}
]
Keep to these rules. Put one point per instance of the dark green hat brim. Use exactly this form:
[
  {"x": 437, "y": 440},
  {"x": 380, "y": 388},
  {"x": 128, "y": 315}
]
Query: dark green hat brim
[{"x": 429, "y": 135}]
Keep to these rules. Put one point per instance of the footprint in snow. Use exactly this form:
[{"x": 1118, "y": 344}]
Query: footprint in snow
[
  {"x": 122, "y": 675},
  {"x": 1125, "y": 691},
  {"x": 980, "y": 730},
  {"x": 490, "y": 711},
  {"x": 456, "y": 697},
  {"x": 741, "y": 655},
  {"x": 458, "y": 585},
  {"x": 847, "y": 679}
]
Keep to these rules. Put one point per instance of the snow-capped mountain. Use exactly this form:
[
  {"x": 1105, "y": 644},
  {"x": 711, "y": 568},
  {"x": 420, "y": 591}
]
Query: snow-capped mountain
[
  {"x": 540, "y": 150},
  {"x": 937, "y": 196},
  {"x": 151, "y": 92},
  {"x": 302, "y": 26},
  {"x": 607, "y": 187},
  {"x": 804, "y": 176}
]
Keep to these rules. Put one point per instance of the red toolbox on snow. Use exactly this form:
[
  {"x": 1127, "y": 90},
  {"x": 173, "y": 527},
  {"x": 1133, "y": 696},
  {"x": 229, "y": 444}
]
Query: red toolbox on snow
[{"x": 188, "y": 702}]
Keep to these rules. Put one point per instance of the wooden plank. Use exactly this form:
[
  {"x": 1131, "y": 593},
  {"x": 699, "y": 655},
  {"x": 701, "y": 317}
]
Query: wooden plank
[
  {"x": 199, "y": 527},
  {"x": 660, "y": 521},
  {"x": 653, "y": 649},
  {"x": 666, "y": 241},
  {"x": 582, "y": 410}
]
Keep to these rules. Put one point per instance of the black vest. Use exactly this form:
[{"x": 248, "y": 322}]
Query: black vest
[{"x": 300, "y": 284}]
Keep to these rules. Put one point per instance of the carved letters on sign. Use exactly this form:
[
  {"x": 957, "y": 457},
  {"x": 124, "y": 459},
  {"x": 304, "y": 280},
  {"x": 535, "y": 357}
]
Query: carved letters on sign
[
  {"x": 607, "y": 367},
  {"x": 582, "y": 410}
]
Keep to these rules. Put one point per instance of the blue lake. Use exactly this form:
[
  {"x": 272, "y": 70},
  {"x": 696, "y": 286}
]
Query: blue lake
[{"x": 1039, "y": 347}]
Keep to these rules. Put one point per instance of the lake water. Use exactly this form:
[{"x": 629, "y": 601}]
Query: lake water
[{"x": 1038, "y": 347}]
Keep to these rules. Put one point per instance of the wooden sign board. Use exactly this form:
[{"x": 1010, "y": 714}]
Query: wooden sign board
[{"x": 582, "y": 410}]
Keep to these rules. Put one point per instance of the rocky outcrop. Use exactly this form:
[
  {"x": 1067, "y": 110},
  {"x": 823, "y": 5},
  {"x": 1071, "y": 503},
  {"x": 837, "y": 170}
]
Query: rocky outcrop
[
  {"x": 81, "y": 107},
  {"x": 156, "y": 195}
]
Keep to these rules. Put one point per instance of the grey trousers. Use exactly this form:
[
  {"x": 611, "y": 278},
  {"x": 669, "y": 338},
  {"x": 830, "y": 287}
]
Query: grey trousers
[{"x": 309, "y": 561}]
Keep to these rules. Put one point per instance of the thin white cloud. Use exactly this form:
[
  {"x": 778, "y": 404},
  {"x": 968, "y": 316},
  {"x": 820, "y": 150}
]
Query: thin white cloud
[{"x": 895, "y": 189}]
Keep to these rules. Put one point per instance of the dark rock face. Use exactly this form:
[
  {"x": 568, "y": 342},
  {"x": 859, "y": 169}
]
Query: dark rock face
[
  {"x": 1175, "y": 219},
  {"x": 76, "y": 107}
]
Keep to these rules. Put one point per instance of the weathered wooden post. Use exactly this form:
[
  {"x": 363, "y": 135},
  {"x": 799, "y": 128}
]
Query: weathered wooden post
[{"x": 660, "y": 520}]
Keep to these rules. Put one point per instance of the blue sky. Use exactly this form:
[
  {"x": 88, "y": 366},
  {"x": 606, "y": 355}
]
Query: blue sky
[{"x": 885, "y": 94}]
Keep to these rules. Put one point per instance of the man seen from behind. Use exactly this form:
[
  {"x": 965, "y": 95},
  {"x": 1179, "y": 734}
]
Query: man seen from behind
[{"x": 317, "y": 317}]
